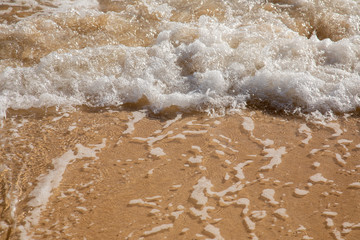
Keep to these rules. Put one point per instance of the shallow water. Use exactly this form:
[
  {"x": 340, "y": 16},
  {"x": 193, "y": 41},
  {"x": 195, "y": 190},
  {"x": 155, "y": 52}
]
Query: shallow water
[
  {"x": 129, "y": 175},
  {"x": 287, "y": 55}
]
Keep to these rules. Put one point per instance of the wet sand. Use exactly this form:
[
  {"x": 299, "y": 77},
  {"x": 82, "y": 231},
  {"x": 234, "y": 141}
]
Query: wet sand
[{"x": 108, "y": 174}]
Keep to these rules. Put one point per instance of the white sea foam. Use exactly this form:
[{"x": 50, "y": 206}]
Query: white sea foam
[
  {"x": 248, "y": 124},
  {"x": 304, "y": 129},
  {"x": 330, "y": 214},
  {"x": 214, "y": 231},
  {"x": 206, "y": 63},
  {"x": 198, "y": 193},
  {"x": 55, "y": 5},
  {"x": 202, "y": 214},
  {"x": 239, "y": 169},
  {"x": 50, "y": 181},
  {"x": 136, "y": 117},
  {"x": 300, "y": 192},
  {"x": 195, "y": 160},
  {"x": 158, "y": 229},
  {"x": 329, "y": 222},
  {"x": 157, "y": 152},
  {"x": 250, "y": 225},
  {"x": 354, "y": 185},
  {"x": 281, "y": 213},
  {"x": 318, "y": 178},
  {"x": 258, "y": 215},
  {"x": 268, "y": 196},
  {"x": 275, "y": 155}
]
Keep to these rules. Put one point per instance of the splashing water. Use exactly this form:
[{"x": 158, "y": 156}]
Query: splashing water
[{"x": 284, "y": 54}]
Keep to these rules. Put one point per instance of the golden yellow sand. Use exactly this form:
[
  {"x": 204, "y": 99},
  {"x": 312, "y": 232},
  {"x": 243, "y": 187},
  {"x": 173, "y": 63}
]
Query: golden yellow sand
[{"x": 178, "y": 176}]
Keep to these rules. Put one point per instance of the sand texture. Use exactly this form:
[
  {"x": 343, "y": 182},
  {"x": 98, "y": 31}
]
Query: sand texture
[{"x": 132, "y": 175}]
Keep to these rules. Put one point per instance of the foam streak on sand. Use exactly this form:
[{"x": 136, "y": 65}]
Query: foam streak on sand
[
  {"x": 268, "y": 196},
  {"x": 214, "y": 231},
  {"x": 199, "y": 182},
  {"x": 304, "y": 129},
  {"x": 50, "y": 181},
  {"x": 275, "y": 155},
  {"x": 158, "y": 229},
  {"x": 136, "y": 116},
  {"x": 198, "y": 193},
  {"x": 239, "y": 169}
]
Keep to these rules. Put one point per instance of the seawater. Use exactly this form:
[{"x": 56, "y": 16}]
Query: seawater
[{"x": 289, "y": 55}]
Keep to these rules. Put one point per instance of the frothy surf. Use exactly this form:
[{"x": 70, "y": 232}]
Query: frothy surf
[{"x": 287, "y": 55}]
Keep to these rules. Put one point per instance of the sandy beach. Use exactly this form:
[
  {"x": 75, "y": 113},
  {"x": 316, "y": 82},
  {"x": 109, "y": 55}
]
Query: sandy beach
[
  {"x": 179, "y": 119},
  {"x": 108, "y": 174}
]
